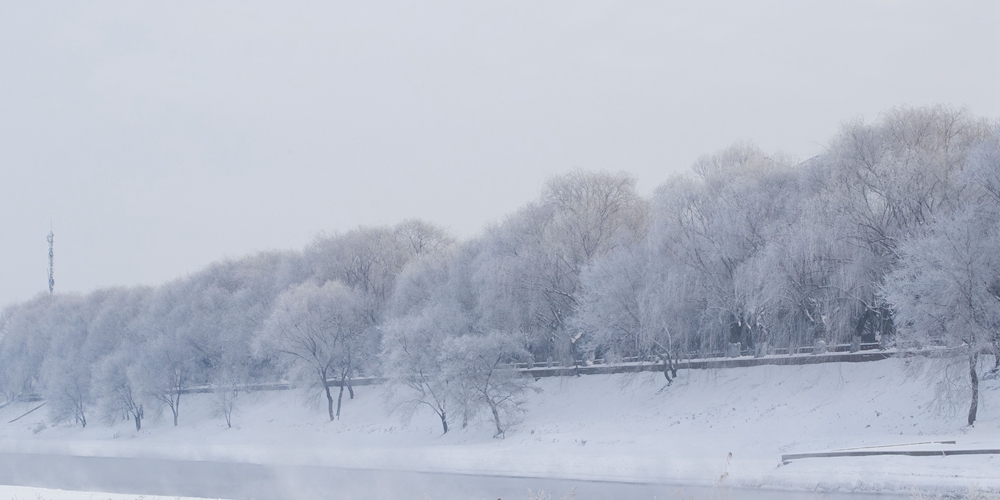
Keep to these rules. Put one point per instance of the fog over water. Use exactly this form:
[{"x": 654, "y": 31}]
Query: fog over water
[
  {"x": 159, "y": 137},
  {"x": 257, "y": 482}
]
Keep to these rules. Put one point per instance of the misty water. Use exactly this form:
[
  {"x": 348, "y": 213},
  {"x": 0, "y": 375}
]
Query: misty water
[{"x": 240, "y": 481}]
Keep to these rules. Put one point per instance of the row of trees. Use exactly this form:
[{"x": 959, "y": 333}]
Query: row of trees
[{"x": 889, "y": 236}]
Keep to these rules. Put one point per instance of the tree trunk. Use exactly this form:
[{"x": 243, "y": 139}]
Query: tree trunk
[
  {"x": 444, "y": 422},
  {"x": 666, "y": 369},
  {"x": 347, "y": 372},
  {"x": 340, "y": 397},
  {"x": 855, "y": 344},
  {"x": 973, "y": 361},
  {"x": 573, "y": 358},
  {"x": 137, "y": 414},
  {"x": 329, "y": 398},
  {"x": 496, "y": 420},
  {"x": 177, "y": 407},
  {"x": 859, "y": 329}
]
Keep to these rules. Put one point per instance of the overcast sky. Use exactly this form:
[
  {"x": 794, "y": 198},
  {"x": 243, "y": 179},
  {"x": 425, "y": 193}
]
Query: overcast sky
[{"x": 159, "y": 137}]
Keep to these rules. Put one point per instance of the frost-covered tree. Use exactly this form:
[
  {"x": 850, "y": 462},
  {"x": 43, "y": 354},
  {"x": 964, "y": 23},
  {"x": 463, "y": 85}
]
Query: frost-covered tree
[
  {"x": 230, "y": 379},
  {"x": 233, "y": 299},
  {"x": 368, "y": 261},
  {"x": 612, "y": 313},
  {"x": 69, "y": 366},
  {"x": 426, "y": 313},
  {"x": 947, "y": 290},
  {"x": 435, "y": 352},
  {"x": 946, "y": 287},
  {"x": 483, "y": 364},
  {"x": 528, "y": 272},
  {"x": 630, "y": 308},
  {"x": 117, "y": 396},
  {"x": 886, "y": 182},
  {"x": 164, "y": 346},
  {"x": 65, "y": 371},
  {"x": 316, "y": 328},
  {"x": 164, "y": 369},
  {"x": 981, "y": 175},
  {"x": 707, "y": 231},
  {"x": 24, "y": 343},
  {"x": 421, "y": 238},
  {"x": 230, "y": 301},
  {"x": 412, "y": 349}
]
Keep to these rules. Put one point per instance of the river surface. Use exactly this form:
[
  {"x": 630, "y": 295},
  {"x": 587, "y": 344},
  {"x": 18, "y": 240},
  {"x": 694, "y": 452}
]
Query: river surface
[{"x": 240, "y": 481}]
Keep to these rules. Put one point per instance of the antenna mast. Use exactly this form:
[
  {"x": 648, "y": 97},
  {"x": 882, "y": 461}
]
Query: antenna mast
[{"x": 52, "y": 278}]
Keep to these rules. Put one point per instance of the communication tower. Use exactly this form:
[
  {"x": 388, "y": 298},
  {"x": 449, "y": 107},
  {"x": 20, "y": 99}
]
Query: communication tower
[{"x": 52, "y": 277}]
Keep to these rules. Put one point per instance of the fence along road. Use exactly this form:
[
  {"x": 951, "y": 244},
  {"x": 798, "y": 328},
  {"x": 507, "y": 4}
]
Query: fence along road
[{"x": 837, "y": 354}]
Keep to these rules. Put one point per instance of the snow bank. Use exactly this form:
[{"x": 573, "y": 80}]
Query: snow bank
[{"x": 610, "y": 427}]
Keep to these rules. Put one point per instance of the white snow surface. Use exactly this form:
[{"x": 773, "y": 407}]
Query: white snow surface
[
  {"x": 606, "y": 427},
  {"x": 31, "y": 493}
]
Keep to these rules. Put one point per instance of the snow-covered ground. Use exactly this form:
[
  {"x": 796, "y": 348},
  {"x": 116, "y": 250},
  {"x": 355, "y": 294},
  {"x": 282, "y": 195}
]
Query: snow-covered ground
[
  {"x": 29, "y": 493},
  {"x": 612, "y": 427}
]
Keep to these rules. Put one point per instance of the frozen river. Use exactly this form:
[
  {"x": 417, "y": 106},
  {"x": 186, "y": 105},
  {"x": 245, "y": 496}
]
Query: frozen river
[{"x": 258, "y": 482}]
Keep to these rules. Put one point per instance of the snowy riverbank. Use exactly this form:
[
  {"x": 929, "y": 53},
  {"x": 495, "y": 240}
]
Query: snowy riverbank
[{"x": 612, "y": 427}]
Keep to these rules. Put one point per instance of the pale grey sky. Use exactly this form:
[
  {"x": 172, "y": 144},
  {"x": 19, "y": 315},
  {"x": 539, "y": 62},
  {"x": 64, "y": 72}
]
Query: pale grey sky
[{"x": 161, "y": 136}]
